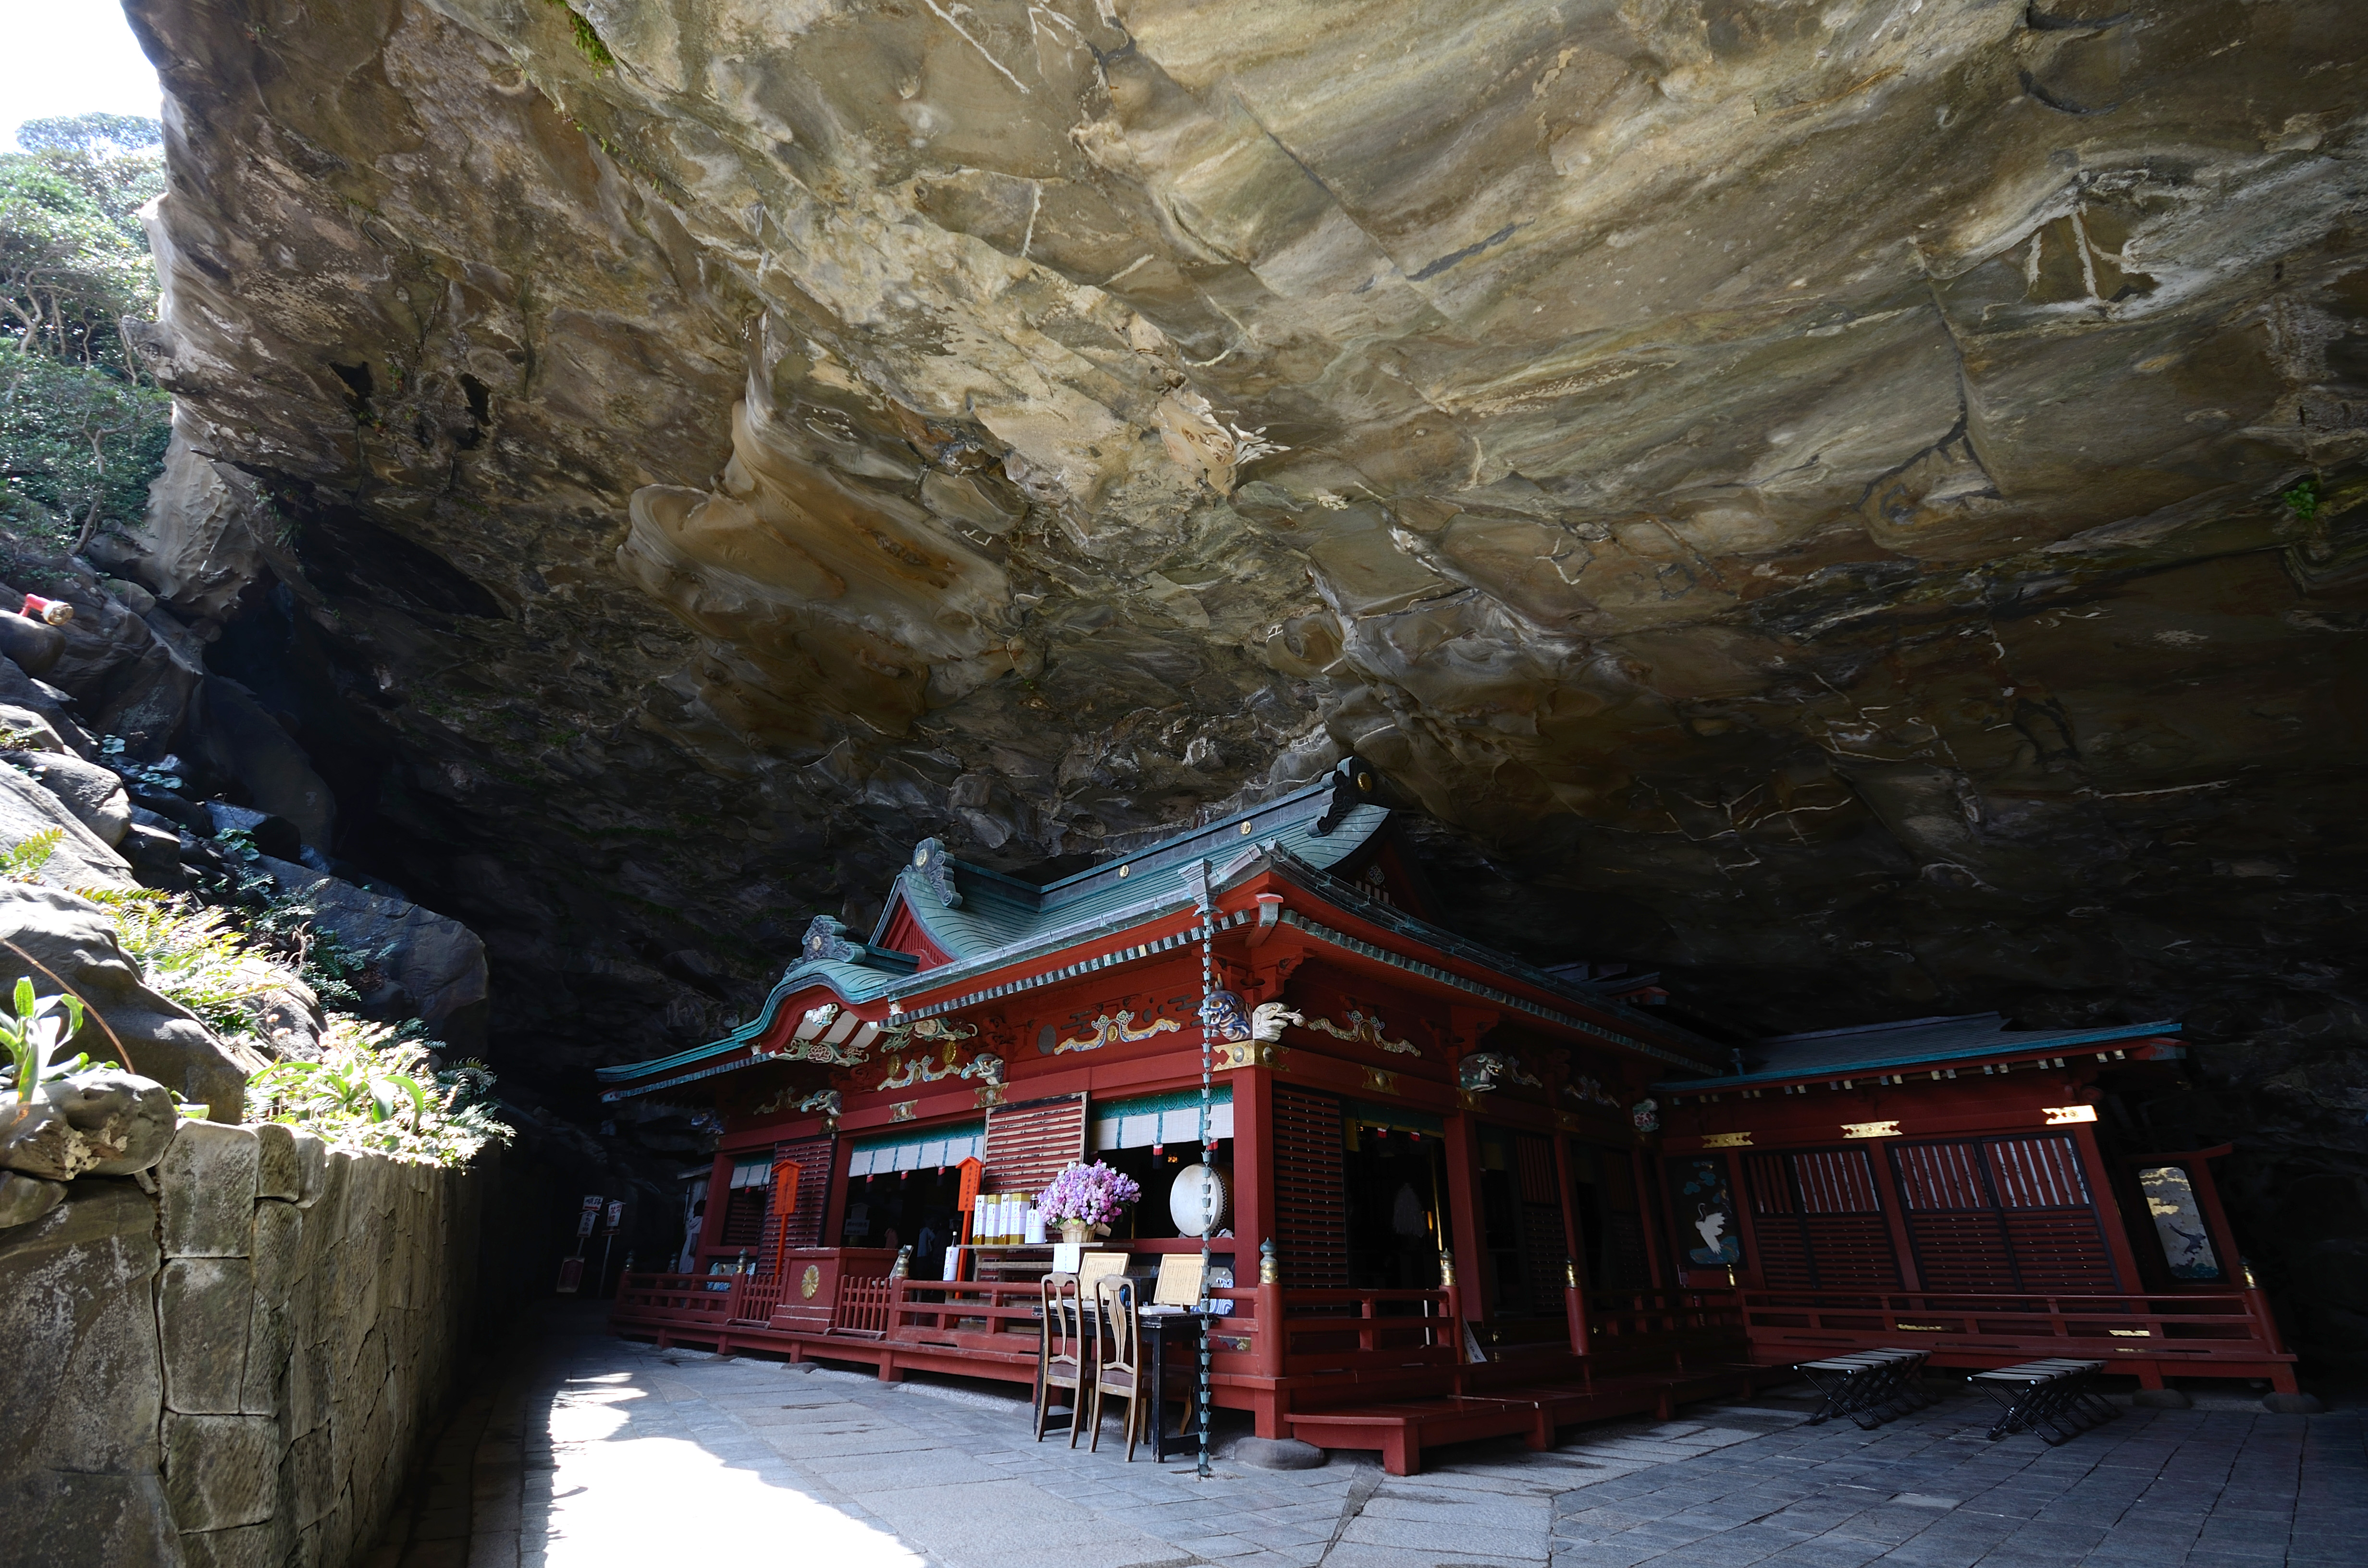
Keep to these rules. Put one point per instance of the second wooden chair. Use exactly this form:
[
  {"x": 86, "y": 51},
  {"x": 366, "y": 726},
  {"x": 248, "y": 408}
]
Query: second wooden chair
[
  {"x": 1119, "y": 1368},
  {"x": 1061, "y": 1356}
]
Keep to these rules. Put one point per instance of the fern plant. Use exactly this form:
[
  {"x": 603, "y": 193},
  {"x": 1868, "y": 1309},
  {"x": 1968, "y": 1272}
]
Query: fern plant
[
  {"x": 22, "y": 862},
  {"x": 374, "y": 1090}
]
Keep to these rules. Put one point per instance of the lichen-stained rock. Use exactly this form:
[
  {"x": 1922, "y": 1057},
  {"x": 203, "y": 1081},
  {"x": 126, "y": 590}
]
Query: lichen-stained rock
[
  {"x": 80, "y": 857},
  {"x": 206, "y": 1183},
  {"x": 1800, "y": 491},
  {"x": 78, "y": 1313},
  {"x": 220, "y": 1471},
  {"x": 93, "y": 794},
  {"x": 203, "y": 1310},
  {"x": 75, "y": 942}
]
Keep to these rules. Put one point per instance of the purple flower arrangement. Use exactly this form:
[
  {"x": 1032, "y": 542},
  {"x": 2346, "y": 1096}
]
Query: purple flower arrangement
[{"x": 1095, "y": 1194}]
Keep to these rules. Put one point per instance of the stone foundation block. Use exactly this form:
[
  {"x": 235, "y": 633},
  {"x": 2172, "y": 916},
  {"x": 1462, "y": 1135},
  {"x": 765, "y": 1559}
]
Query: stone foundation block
[
  {"x": 203, "y": 1306},
  {"x": 207, "y": 1182},
  {"x": 221, "y": 1471},
  {"x": 249, "y": 1546},
  {"x": 78, "y": 1316},
  {"x": 277, "y": 1173},
  {"x": 69, "y": 1519}
]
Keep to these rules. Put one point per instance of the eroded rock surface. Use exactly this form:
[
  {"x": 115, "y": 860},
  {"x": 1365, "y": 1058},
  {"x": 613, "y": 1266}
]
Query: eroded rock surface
[{"x": 1856, "y": 502}]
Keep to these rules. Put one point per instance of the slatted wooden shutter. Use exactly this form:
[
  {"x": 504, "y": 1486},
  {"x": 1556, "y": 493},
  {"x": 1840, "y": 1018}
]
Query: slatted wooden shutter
[
  {"x": 1544, "y": 1245},
  {"x": 1953, "y": 1220},
  {"x": 1776, "y": 1224},
  {"x": 813, "y": 1156},
  {"x": 2002, "y": 1214},
  {"x": 1311, "y": 1208},
  {"x": 1819, "y": 1219},
  {"x": 2051, "y": 1220},
  {"x": 1028, "y": 1145}
]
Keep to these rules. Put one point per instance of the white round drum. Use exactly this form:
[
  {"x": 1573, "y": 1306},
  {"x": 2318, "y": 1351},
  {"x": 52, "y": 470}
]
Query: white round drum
[{"x": 1198, "y": 1200}]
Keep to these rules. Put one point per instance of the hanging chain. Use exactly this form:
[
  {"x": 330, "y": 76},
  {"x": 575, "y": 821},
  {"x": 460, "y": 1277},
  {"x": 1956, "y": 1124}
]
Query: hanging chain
[{"x": 1208, "y": 1154}]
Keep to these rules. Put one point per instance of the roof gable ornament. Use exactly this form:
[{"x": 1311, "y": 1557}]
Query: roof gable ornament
[
  {"x": 1353, "y": 784},
  {"x": 826, "y": 942},
  {"x": 934, "y": 869}
]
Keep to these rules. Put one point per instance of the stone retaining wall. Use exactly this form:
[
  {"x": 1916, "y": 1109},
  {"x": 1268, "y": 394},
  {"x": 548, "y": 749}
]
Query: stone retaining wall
[{"x": 237, "y": 1369}]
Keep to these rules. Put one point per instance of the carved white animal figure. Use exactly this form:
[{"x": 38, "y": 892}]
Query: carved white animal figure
[{"x": 1268, "y": 1019}]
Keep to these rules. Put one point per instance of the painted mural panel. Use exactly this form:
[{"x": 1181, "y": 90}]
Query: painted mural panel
[
  {"x": 2178, "y": 1222},
  {"x": 1701, "y": 1206}
]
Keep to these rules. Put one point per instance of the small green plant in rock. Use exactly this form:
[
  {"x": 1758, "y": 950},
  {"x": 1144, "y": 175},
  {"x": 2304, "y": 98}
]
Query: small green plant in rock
[
  {"x": 32, "y": 1031},
  {"x": 587, "y": 36},
  {"x": 2302, "y": 499},
  {"x": 374, "y": 1090},
  {"x": 23, "y": 862},
  {"x": 113, "y": 749}
]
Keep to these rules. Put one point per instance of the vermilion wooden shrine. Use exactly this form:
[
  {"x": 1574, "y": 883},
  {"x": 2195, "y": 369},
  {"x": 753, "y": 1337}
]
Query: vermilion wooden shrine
[{"x": 1491, "y": 1199}]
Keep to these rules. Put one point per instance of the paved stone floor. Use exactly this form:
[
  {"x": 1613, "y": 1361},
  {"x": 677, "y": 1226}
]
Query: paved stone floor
[{"x": 594, "y": 1452}]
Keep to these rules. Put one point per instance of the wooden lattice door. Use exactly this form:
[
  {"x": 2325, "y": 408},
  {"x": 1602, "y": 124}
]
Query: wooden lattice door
[
  {"x": 1311, "y": 1214},
  {"x": 802, "y": 1224}
]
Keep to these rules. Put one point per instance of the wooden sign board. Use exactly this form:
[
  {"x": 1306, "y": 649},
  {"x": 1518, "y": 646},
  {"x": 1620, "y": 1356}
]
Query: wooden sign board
[
  {"x": 1093, "y": 1265},
  {"x": 1179, "y": 1280}
]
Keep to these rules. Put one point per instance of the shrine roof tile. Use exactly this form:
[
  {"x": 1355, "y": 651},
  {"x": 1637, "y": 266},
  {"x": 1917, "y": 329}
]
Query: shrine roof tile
[
  {"x": 1000, "y": 919},
  {"x": 1913, "y": 1042}
]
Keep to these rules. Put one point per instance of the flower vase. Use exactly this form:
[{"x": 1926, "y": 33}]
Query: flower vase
[{"x": 1075, "y": 1231}]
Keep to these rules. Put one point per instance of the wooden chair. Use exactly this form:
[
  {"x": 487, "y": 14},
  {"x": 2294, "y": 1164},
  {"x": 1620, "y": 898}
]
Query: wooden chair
[
  {"x": 1061, "y": 1354},
  {"x": 1119, "y": 1369}
]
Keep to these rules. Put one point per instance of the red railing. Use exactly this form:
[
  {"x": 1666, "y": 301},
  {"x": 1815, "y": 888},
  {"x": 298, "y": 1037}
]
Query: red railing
[
  {"x": 862, "y": 1308},
  {"x": 2231, "y": 1325},
  {"x": 1335, "y": 1330},
  {"x": 700, "y": 1299},
  {"x": 1655, "y": 1330},
  {"x": 753, "y": 1297},
  {"x": 968, "y": 1315}
]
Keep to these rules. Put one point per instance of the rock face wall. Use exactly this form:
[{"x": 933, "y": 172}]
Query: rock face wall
[
  {"x": 1858, "y": 505},
  {"x": 235, "y": 1372}
]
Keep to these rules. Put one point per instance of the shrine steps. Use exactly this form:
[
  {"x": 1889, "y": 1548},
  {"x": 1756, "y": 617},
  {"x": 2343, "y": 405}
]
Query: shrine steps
[{"x": 1402, "y": 1429}]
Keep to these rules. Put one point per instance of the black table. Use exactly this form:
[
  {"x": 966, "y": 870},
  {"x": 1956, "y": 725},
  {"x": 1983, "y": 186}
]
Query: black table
[{"x": 1190, "y": 1325}]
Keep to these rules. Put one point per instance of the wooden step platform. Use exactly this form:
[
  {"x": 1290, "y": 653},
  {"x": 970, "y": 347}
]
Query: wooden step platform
[{"x": 1402, "y": 1429}]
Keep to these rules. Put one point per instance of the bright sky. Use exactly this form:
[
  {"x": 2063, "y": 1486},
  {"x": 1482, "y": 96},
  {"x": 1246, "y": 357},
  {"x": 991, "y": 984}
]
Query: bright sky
[{"x": 70, "y": 57}]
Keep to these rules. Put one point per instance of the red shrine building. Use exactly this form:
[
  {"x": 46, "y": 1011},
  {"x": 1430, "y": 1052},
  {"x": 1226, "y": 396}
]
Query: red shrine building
[{"x": 1468, "y": 1197}]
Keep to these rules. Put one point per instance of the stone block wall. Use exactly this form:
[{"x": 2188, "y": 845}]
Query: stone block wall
[{"x": 237, "y": 1369}]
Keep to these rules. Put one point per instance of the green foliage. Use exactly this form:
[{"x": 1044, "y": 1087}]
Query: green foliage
[
  {"x": 79, "y": 445},
  {"x": 192, "y": 954},
  {"x": 34, "y": 1029},
  {"x": 372, "y": 1089},
  {"x": 588, "y": 38},
  {"x": 339, "y": 973},
  {"x": 92, "y": 134},
  {"x": 80, "y": 436},
  {"x": 74, "y": 257},
  {"x": 2302, "y": 499},
  {"x": 23, "y": 862},
  {"x": 113, "y": 749}
]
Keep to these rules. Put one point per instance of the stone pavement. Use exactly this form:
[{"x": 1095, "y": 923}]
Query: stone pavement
[{"x": 598, "y": 1452}]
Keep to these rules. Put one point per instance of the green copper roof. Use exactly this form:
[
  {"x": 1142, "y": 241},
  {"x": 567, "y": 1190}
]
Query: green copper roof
[{"x": 999, "y": 918}]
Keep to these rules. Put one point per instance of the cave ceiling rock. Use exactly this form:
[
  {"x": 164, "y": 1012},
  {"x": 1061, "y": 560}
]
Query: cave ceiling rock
[{"x": 1650, "y": 431}]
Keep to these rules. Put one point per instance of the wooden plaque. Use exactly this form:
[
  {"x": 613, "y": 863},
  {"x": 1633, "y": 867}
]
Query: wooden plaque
[{"x": 1179, "y": 1280}]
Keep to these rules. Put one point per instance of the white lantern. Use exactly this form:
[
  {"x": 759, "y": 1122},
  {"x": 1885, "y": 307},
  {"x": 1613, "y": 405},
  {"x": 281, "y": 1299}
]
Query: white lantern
[{"x": 1197, "y": 1201}]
